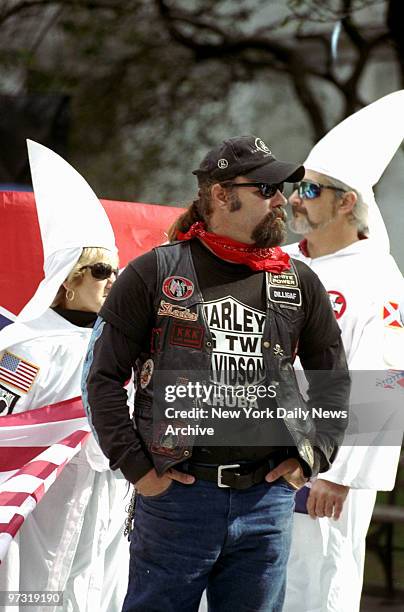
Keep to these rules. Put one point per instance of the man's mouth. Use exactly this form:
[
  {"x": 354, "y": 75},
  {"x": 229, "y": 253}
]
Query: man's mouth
[{"x": 298, "y": 211}]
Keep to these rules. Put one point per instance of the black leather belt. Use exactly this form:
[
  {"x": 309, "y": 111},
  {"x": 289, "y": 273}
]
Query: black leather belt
[{"x": 236, "y": 475}]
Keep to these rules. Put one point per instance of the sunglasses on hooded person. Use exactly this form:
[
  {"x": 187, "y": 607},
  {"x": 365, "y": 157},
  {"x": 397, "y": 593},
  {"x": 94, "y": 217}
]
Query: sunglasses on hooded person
[
  {"x": 310, "y": 190},
  {"x": 100, "y": 270},
  {"x": 267, "y": 190}
]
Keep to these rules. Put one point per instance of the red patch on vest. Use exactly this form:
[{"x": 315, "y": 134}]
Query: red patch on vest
[
  {"x": 190, "y": 336},
  {"x": 177, "y": 287}
]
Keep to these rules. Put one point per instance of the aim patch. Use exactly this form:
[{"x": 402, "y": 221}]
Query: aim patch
[
  {"x": 338, "y": 303},
  {"x": 189, "y": 336},
  {"x": 17, "y": 372},
  {"x": 177, "y": 312},
  {"x": 285, "y": 295},
  {"x": 8, "y": 400},
  {"x": 146, "y": 373},
  {"x": 178, "y": 287},
  {"x": 391, "y": 315},
  {"x": 284, "y": 279}
]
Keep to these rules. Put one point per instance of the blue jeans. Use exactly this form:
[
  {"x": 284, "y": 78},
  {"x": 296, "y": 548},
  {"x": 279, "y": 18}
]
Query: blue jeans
[{"x": 234, "y": 544}]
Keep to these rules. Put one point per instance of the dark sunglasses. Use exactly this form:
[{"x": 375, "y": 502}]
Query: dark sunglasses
[
  {"x": 267, "y": 190},
  {"x": 307, "y": 190},
  {"x": 101, "y": 271}
]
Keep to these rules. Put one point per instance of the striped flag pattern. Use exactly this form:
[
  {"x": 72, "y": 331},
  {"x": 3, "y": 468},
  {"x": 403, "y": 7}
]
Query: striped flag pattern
[
  {"x": 17, "y": 372},
  {"x": 35, "y": 446}
]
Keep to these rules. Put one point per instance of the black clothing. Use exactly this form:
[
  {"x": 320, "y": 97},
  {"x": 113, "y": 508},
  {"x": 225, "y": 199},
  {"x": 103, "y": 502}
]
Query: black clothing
[
  {"x": 80, "y": 318},
  {"x": 233, "y": 313}
]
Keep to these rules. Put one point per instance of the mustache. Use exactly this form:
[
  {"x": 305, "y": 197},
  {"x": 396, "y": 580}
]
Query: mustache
[
  {"x": 271, "y": 231},
  {"x": 298, "y": 209},
  {"x": 274, "y": 214},
  {"x": 273, "y": 217}
]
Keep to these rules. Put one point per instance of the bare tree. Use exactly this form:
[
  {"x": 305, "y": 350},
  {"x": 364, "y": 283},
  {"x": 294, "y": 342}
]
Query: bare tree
[{"x": 137, "y": 71}]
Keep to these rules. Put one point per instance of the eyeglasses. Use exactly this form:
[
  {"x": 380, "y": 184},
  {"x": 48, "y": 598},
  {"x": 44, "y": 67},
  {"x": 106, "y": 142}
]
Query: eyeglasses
[
  {"x": 267, "y": 190},
  {"x": 307, "y": 190},
  {"x": 101, "y": 271}
]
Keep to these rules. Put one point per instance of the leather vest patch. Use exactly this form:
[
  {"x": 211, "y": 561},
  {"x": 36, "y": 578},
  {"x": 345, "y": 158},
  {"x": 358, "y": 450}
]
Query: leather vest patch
[
  {"x": 190, "y": 336},
  {"x": 285, "y": 295},
  {"x": 285, "y": 279}
]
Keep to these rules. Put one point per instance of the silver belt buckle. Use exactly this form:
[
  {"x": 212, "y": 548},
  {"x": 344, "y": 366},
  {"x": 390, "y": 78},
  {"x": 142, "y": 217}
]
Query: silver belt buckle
[{"x": 220, "y": 472}]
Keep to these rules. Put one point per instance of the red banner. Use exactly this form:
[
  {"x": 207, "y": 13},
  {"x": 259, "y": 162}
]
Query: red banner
[{"x": 138, "y": 228}]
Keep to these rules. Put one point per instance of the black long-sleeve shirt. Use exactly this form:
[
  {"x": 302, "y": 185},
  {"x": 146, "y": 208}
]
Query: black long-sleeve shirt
[{"x": 127, "y": 322}]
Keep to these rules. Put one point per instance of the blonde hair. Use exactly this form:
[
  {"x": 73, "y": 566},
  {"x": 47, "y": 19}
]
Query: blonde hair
[{"x": 89, "y": 255}]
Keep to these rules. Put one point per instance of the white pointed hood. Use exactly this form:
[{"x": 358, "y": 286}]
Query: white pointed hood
[
  {"x": 70, "y": 218},
  {"x": 358, "y": 150}
]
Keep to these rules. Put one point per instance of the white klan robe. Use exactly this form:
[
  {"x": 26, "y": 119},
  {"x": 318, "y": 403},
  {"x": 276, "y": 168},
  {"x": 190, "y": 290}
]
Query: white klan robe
[
  {"x": 73, "y": 540},
  {"x": 325, "y": 570}
]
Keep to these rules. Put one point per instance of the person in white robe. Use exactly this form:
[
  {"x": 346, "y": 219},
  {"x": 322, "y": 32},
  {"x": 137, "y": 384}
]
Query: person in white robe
[
  {"x": 73, "y": 540},
  {"x": 346, "y": 244}
]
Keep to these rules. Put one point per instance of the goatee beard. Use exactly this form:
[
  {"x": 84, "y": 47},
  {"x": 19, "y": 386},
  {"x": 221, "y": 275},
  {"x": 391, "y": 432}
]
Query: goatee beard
[
  {"x": 300, "y": 225},
  {"x": 271, "y": 231}
]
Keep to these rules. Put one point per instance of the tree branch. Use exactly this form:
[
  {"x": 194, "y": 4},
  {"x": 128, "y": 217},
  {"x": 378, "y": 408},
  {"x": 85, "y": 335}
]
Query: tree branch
[
  {"x": 307, "y": 98},
  {"x": 350, "y": 28},
  {"x": 395, "y": 24},
  {"x": 27, "y": 5}
]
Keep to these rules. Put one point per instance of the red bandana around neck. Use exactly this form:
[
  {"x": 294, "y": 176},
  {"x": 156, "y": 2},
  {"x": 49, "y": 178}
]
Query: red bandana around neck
[{"x": 268, "y": 259}]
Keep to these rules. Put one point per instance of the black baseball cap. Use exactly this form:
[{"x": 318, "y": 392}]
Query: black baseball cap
[{"x": 247, "y": 156}]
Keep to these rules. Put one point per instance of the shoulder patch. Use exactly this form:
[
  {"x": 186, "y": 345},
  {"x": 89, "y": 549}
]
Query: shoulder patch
[
  {"x": 391, "y": 315},
  {"x": 338, "y": 303},
  {"x": 146, "y": 373},
  {"x": 17, "y": 372},
  {"x": 8, "y": 400}
]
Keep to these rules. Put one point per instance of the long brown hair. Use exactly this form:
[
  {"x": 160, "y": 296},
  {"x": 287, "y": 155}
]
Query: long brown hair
[{"x": 199, "y": 210}]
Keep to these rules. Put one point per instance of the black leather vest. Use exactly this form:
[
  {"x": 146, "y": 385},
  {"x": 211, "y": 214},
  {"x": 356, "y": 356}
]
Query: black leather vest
[{"x": 181, "y": 341}]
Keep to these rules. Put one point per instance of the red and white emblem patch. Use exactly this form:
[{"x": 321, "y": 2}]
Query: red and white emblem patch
[
  {"x": 338, "y": 303},
  {"x": 146, "y": 373},
  {"x": 178, "y": 287},
  {"x": 391, "y": 315}
]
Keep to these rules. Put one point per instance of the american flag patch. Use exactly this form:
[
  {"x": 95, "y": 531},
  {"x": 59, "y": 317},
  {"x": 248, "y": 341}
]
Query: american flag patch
[{"x": 17, "y": 372}]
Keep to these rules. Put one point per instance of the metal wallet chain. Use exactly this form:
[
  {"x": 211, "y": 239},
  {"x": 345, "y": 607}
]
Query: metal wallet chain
[{"x": 130, "y": 519}]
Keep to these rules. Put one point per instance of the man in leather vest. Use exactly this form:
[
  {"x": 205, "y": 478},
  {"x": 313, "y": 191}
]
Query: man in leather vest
[{"x": 222, "y": 440}]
